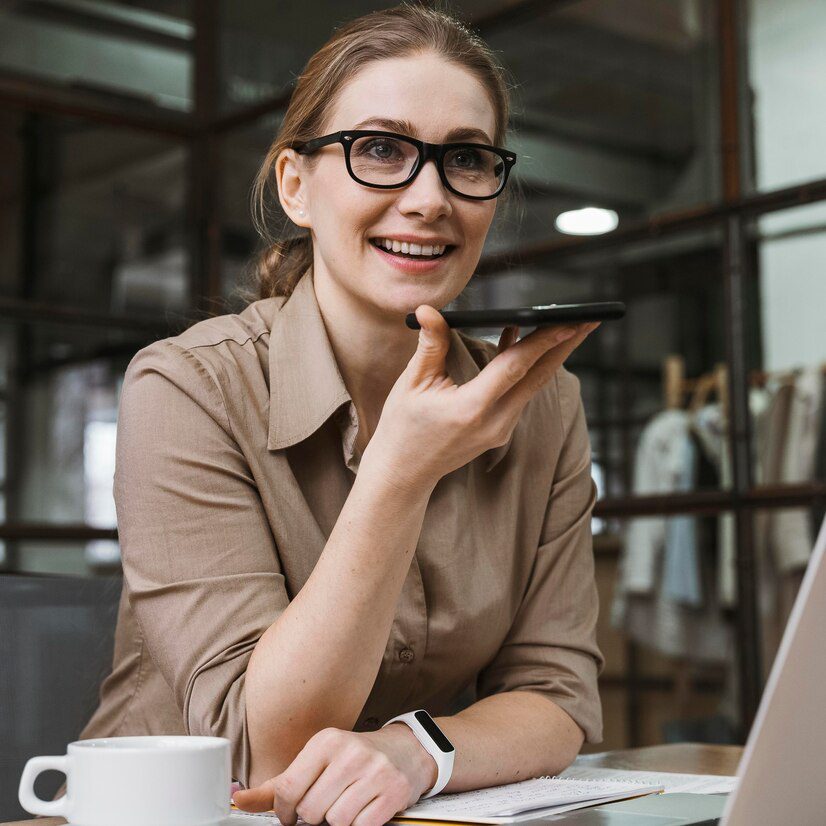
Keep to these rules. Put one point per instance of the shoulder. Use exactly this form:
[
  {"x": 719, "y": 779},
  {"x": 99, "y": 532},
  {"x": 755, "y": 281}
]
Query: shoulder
[
  {"x": 205, "y": 365},
  {"x": 212, "y": 345},
  {"x": 561, "y": 397}
]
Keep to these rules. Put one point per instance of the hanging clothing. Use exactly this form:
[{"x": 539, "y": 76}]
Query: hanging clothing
[
  {"x": 791, "y": 534},
  {"x": 664, "y": 464},
  {"x": 665, "y": 596},
  {"x": 710, "y": 426}
]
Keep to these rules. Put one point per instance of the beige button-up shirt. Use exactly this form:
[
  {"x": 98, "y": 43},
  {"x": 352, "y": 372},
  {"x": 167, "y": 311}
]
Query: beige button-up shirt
[{"x": 235, "y": 455}]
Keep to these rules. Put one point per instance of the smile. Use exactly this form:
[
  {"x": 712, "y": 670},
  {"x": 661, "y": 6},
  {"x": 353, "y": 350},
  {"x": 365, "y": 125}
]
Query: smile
[{"x": 410, "y": 250}]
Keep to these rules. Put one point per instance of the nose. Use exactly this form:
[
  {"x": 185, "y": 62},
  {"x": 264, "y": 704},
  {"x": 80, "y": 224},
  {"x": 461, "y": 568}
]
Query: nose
[{"x": 426, "y": 195}]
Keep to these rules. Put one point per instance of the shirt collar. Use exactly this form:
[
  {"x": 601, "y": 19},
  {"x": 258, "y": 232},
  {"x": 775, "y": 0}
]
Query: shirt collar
[{"x": 306, "y": 386}]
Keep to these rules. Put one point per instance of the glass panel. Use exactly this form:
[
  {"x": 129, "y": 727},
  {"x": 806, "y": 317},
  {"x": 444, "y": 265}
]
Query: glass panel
[
  {"x": 140, "y": 52},
  {"x": 95, "y": 216},
  {"x": 674, "y": 297},
  {"x": 788, "y": 390},
  {"x": 669, "y": 666},
  {"x": 262, "y": 50},
  {"x": 243, "y": 151},
  {"x": 786, "y": 60},
  {"x": 616, "y": 107},
  {"x": 59, "y": 406}
]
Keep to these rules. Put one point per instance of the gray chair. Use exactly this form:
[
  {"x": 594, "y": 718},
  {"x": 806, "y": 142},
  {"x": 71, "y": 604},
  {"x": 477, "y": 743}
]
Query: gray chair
[{"x": 56, "y": 640}]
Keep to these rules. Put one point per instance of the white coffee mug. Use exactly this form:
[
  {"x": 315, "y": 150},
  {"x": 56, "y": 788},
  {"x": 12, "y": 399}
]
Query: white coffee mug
[{"x": 137, "y": 781}]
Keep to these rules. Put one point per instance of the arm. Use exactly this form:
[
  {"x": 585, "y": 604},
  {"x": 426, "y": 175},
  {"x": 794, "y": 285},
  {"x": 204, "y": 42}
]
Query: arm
[
  {"x": 540, "y": 695},
  {"x": 509, "y": 737},
  {"x": 361, "y": 572},
  {"x": 551, "y": 646}
]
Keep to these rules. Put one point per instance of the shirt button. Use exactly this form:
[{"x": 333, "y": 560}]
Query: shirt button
[
  {"x": 406, "y": 655},
  {"x": 370, "y": 723}
]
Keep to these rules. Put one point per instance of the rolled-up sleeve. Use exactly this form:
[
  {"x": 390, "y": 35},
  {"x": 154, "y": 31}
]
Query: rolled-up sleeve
[
  {"x": 199, "y": 560},
  {"x": 551, "y": 647}
]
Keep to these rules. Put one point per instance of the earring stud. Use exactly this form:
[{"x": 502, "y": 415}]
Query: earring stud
[{"x": 300, "y": 211}]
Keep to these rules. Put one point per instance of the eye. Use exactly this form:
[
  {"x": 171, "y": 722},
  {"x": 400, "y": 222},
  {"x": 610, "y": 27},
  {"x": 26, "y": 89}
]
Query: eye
[
  {"x": 381, "y": 149},
  {"x": 467, "y": 158}
]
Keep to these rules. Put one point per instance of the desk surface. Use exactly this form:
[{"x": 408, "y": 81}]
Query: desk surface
[{"x": 694, "y": 758}]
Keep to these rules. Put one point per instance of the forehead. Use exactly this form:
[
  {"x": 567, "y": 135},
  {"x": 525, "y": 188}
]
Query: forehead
[{"x": 434, "y": 95}]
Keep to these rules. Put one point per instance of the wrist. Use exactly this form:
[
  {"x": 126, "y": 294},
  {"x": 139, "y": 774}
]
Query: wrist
[
  {"x": 404, "y": 487},
  {"x": 424, "y": 770}
]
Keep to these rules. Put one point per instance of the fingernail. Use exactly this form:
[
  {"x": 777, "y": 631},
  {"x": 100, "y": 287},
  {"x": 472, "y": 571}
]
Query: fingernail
[{"x": 566, "y": 332}]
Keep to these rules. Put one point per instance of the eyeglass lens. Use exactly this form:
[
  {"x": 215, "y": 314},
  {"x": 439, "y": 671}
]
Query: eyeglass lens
[{"x": 388, "y": 161}]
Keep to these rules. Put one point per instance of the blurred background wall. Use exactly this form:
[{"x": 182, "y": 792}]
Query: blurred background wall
[{"x": 130, "y": 133}]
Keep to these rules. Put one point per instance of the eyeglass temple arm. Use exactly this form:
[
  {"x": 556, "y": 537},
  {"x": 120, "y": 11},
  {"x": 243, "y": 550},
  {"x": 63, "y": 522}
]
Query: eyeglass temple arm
[{"x": 306, "y": 147}]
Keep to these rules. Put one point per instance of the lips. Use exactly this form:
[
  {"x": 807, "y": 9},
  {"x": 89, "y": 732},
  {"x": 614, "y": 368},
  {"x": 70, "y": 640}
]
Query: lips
[{"x": 413, "y": 264}]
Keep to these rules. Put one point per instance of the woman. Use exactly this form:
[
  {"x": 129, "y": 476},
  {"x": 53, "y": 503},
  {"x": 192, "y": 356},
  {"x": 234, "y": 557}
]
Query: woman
[{"x": 273, "y": 596}]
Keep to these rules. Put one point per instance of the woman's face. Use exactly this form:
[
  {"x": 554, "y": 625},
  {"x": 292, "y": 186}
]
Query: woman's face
[{"x": 425, "y": 97}]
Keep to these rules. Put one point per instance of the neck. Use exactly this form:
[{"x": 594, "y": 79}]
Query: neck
[{"x": 371, "y": 349}]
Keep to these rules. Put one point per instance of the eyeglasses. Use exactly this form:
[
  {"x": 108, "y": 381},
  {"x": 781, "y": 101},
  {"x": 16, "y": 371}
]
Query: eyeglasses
[{"x": 387, "y": 160}]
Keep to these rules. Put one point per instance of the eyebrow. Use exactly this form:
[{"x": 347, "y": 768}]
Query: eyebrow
[{"x": 464, "y": 133}]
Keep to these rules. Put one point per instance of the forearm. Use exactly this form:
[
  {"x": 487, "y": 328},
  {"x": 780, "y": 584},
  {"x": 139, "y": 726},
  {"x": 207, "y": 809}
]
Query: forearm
[
  {"x": 509, "y": 737},
  {"x": 315, "y": 666}
]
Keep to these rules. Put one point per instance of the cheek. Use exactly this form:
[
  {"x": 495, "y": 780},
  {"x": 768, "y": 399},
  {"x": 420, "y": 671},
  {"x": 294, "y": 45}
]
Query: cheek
[
  {"x": 477, "y": 223},
  {"x": 340, "y": 206}
]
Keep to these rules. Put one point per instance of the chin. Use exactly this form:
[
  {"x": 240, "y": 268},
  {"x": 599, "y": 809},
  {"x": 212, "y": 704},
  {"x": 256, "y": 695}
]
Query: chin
[{"x": 407, "y": 300}]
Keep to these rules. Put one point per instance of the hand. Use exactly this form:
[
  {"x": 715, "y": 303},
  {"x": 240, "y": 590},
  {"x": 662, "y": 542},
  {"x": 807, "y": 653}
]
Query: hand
[
  {"x": 346, "y": 778},
  {"x": 430, "y": 426}
]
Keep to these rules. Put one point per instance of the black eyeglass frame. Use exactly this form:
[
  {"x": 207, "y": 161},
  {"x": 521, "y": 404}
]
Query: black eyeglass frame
[{"x": 427, "y": 151}]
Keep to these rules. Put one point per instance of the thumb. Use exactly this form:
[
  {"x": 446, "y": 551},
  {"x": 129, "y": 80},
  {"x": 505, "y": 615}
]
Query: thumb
[{"x": 434, "y": 342}]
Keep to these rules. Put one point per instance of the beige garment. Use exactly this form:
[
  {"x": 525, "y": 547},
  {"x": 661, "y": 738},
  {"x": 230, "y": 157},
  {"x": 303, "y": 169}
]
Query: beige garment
[{"x": 234, "y": 458}]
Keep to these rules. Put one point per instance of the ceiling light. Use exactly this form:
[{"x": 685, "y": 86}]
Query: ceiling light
[{"x": 587, "y": 221}]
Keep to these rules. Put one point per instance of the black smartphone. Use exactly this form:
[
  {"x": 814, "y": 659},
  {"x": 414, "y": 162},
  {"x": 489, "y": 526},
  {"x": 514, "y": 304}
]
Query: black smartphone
[{"x": 542, "y": 315}]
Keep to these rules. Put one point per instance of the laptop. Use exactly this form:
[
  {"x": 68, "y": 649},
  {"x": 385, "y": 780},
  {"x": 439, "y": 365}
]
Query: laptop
[{"x": 781, "y": 776}]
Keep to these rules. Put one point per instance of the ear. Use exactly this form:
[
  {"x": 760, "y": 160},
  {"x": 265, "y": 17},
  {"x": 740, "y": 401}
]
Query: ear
[{"x": 291, "y": 187}]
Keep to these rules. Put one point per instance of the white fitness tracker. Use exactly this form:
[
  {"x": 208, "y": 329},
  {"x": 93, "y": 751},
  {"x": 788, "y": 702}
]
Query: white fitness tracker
[{"x": 433, "y": 741}]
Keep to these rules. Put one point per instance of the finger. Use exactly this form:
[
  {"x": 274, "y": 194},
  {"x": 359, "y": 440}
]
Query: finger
[
  {"x": 509, "y": 367},
  {"x": 379, "y": 810},
  {"x": 292, "y": 784},
  {"x": 259, "y": 799},
  {"x": 542, "y": 371},
  {"x": 313, "y": 807},
  {"x": 352, "y": 801},
  {"x": 434, "y": 341},
  {"x": 508, "y": 337}
]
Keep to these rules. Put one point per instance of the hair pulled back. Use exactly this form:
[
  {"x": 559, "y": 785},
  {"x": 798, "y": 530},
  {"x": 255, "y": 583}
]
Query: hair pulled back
[{"x": 387, "y": 33}]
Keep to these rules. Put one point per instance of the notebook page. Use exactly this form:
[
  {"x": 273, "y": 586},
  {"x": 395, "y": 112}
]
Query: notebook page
[
  {"x": 670, "y": 781},
  {"x": 515, "y": 798}
]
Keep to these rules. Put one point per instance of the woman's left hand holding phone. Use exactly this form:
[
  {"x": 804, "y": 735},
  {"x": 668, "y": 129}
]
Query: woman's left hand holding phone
[{"x": 345, "y": 777}]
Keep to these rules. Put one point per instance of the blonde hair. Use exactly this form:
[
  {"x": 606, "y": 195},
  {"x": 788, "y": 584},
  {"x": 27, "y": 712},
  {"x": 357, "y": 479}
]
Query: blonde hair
[{"x": 388, "y": 33}]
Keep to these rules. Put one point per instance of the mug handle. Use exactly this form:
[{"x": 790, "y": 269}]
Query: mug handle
[{"x": 25, "y": 794}]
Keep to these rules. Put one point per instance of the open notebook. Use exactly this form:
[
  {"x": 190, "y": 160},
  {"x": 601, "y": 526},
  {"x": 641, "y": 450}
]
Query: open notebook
[
  {"x": 525, "y": 800},
  {"x": 503, "y": 804}
]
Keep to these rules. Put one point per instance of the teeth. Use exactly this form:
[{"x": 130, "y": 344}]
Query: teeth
[{"x": 411, "y": 249}]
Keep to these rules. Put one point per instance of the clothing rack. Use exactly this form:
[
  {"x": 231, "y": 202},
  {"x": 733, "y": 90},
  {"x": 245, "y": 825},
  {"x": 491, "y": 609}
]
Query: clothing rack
[
  {"x": 759, "y": 378},
  {"x": 676, "y": 386},
  {"x": 691, "y": 394}
]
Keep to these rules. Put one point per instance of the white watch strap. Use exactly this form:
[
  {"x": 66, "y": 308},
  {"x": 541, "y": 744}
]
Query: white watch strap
[{"x": 444, "y": 759}]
